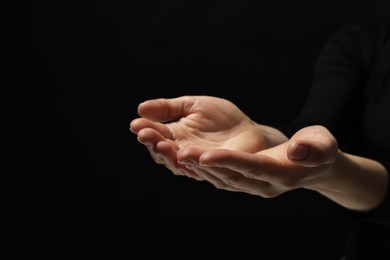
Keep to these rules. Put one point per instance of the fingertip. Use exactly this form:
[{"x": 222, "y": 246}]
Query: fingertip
[
  {"x": 206, "y": 159},
  {"x": 216, "y": 157},
  {"x": 141, "y": 107},
  {"x": 189, "y": 153},
  {"x": 132, "y": 127},
  {"x": 182, "y": 155},
  {"x": 136, "y": 125},
  {"x": 149, "y": 136},
  {"x": 298, "y": 152}
]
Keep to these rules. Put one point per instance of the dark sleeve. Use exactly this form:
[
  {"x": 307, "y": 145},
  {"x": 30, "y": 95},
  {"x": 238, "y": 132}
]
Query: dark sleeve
[
  {"x": 337, "y": 88},
  {"x": 336, "y": 98}
]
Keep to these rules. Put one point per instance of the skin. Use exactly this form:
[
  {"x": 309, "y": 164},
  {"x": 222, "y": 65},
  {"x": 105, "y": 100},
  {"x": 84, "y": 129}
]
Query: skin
[{"x": 211, "y": 139}]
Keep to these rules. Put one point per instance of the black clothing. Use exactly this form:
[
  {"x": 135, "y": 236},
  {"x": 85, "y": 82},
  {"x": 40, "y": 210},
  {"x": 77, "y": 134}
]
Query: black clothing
[{"x": 350, "y": 95}]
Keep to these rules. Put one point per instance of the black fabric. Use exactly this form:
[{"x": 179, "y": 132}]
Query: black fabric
[{"x": 350, "y": 95}]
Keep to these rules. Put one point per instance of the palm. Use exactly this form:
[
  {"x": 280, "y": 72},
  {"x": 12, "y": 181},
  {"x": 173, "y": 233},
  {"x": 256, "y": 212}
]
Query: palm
[
  {"x": 202, "y": 122},
  {"x": 216, "y": 123}
]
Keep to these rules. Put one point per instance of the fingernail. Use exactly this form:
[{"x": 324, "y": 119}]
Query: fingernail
[{"x": 299, "y": 153}]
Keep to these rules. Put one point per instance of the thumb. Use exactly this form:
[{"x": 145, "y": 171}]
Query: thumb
[{"x": 312, "y": 147}]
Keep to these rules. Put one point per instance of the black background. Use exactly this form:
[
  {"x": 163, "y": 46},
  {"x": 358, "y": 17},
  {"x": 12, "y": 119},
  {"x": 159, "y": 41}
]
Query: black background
[{"x": 75, "y": 183}]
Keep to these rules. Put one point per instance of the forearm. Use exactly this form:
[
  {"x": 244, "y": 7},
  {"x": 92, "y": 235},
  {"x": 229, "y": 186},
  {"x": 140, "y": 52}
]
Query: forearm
[{"x": 354, "y": 182}]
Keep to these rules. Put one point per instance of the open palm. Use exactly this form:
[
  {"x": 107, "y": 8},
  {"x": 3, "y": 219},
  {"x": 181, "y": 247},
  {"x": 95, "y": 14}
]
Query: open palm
[{"x": 204, "y": 122}]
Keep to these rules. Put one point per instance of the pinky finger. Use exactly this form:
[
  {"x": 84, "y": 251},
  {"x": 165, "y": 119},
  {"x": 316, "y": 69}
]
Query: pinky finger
[{"x": 167, "y": 153}]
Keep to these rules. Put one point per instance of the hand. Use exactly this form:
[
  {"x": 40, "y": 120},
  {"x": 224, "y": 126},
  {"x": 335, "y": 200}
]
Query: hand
[
  {"x": 304, "y": 160},
  {"x": 167, "y": 125}
]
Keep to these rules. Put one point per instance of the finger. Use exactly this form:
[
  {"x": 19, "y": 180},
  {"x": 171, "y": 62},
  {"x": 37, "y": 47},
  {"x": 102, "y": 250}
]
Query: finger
[
  {"x": 193, "y": 175},
  {"x": 189, "y": 155},
  {"x": 311, "y": 155},
  {"x": 164, "y": 160},
  {"x": 162, "y": 109},
  {"x": 141, "y": 123},
  {"x": 167, "y": 151},
  {"x": 215, "y": 181},
  {"x": 156, "y": 158},
  {"x": 149, "y": 137},
  {"x": 233, "y": 160},
  {"x": 224, "y": 178},
  {"x": 312, "y": 147},
  {"x": 235, "y": 181},
  {"x": 253, "y": 166}
]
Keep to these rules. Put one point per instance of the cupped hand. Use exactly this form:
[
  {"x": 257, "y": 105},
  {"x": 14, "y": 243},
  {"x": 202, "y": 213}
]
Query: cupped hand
[
  {"x": 304, "y": 160},
  {"x": 167, "y": 125}
]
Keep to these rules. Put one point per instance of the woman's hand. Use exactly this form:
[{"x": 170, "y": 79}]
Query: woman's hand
[
  {"x": 304, "y": 160},
  {"x": 202, "y": 122},
  {"x": 210, "y": 139}
]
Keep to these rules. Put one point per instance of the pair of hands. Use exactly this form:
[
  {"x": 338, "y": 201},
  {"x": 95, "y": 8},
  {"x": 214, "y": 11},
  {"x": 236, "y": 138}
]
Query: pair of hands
[{"x": 209, "y": 138}]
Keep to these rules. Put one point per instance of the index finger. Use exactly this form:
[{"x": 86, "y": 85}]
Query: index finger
[
  {"x": 166, "y": 109},
  {"x": 250, "y": 165}
]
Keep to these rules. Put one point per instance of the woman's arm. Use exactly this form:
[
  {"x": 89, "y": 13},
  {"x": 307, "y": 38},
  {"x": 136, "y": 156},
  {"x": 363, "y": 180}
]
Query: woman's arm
[
  {"x": 354, "y": 182},
  {"x": 310, "y": 159}
]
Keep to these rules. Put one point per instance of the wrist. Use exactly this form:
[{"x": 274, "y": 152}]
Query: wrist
[
  {"x": 329, "y": 177},
  {"x": 354, "y": 182}
]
